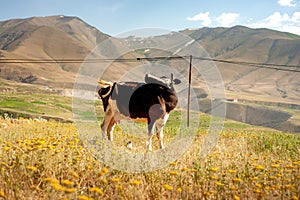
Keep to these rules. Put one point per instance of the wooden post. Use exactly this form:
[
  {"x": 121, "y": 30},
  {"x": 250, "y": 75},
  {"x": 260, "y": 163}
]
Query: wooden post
[{"x": 189, "y": 92}]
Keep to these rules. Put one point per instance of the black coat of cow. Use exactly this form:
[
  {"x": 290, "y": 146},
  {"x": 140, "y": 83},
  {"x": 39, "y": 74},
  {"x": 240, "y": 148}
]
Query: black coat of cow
[{"x": 150, "y": 101}]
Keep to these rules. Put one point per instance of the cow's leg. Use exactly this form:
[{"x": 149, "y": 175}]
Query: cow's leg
[
  {"x": 105, "y": 123},
  {"x": 156, "y": 111},
  {"x": 151, "y": 123},
  {"x": 160, "y": 123},
  {"x": 110, "y": 129}
]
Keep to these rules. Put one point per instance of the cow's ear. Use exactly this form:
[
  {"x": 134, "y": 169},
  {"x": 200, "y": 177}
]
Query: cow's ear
[
  {"x": 176, "y": 81},
  {"x": 115, "y": 91}
]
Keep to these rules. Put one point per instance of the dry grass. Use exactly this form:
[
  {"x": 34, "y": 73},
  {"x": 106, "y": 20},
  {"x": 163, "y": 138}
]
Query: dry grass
[{"x": 45, "y": 160}]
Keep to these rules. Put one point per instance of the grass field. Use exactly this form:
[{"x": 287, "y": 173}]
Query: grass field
[{"x": 46, "y": 160}]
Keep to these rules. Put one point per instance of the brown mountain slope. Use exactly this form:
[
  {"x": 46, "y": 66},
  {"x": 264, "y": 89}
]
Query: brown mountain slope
[
  {"x": 61, "y": 37},
  {"x": 260, "y": 46},
  {"x": 245, "y": 45},
  {"x": 46, "y": 38}
]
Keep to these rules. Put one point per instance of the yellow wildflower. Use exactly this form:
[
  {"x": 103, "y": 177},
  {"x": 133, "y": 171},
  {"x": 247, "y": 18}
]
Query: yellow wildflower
[
  {"x": 103, "y": 171},
  {"x": 219, "y": 183},
  {"x": 96, "y": 190},
  {"x": 296, "y": 162},
  {"x": 57, "y": 186},
  {"x": 258, "y": 185},
  {"x": 214, "y": 169},
  {"x": 237, "y": 180},
  {"x": 179, "y": 190},
  {"x": 184, "y": 169},
  {"x": 275, "y": 165},
  {"x": 32, "y": 168},
  {"x": 236, "y": 197},
  {"x": 70, "y": 190},
  {"x": 168, "y": 187},
  {"x": 257, "y": 191},
  {"x": 2, "y": 194},
  {"x": 172, "y": 163},
  {"x": 75, "y": 174},
  {"x": 295, "y": 197},
  {"x": 193, "y": 170},
  {"x": 51, "y": 180},
  {"x": 66, "y": 182},
  {"x": 104, "y": 181},
  {"x": 6, "y": 148},
  {"x": 231, "y": 171},
  {"x": 83, "y": 197},
  {"x": 136, "y": 182},
  {"x": 232, "y": 187},
  {"x": 174, "y": 173},
  {"x": 207, "y": 193},
  {"x": 115, "y": 179},
  {"x": 118, "y": 186},
  {"x": 259, "y": 167},
  {"x": 254, "y": 178},
  {"x": 289, "y": 166}
]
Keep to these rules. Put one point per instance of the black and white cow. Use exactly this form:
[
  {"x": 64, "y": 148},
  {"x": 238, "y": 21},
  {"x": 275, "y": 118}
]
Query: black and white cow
[{"x": 151, "y": 101}]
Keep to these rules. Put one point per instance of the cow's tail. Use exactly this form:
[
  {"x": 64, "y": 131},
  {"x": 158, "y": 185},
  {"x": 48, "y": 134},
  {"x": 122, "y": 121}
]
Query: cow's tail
[{"x": 105, "y": 83}]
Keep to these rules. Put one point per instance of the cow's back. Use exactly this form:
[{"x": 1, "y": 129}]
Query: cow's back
[{"x": 147, "y": 95}]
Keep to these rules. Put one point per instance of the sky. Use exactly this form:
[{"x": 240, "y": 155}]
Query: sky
[{"x": 115, "y": 17}]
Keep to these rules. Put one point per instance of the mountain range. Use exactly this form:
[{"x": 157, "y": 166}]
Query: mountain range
[{"x": 70, "y": 38}]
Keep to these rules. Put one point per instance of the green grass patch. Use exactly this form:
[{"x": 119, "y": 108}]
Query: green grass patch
[{"x": 42, "y": 104}]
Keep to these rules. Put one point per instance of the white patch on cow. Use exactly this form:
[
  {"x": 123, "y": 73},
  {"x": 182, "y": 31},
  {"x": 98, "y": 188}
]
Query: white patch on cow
[
  {"x": 110, "y": 130},
  {"x": 160, "y": 123},
  {"x": 149, "y": 143}
]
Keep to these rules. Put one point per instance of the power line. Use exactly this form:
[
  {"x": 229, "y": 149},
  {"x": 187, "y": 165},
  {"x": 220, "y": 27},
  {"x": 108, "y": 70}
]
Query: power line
[
  {"x": 151, "y": 59},
  {"x": 90, "y": 60},
  {"x": 257, "y": 65}
]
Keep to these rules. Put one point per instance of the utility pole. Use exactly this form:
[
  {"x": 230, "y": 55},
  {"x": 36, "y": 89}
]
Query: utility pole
[{"x": 189, "y": 92}]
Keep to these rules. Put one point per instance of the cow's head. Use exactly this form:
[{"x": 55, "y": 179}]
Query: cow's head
[{"x": 163, "y": 80}]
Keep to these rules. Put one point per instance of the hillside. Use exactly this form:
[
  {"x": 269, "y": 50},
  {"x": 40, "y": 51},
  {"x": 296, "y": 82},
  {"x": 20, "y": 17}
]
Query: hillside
[
  {"x": 244, "y": 45},
  {"x": 254, "y": 45},
  {"x": 46, "y": 38},
  {"x": 62, "y": 37}
]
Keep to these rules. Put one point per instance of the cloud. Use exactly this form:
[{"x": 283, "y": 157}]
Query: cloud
[
  {"x": 286, "y": 3},
  {"x": 203, "y": 17},
  {"x": 277, "y": 21},
  {"x": 227, "y": 19},
  {"x": 281, "y": 22}
]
